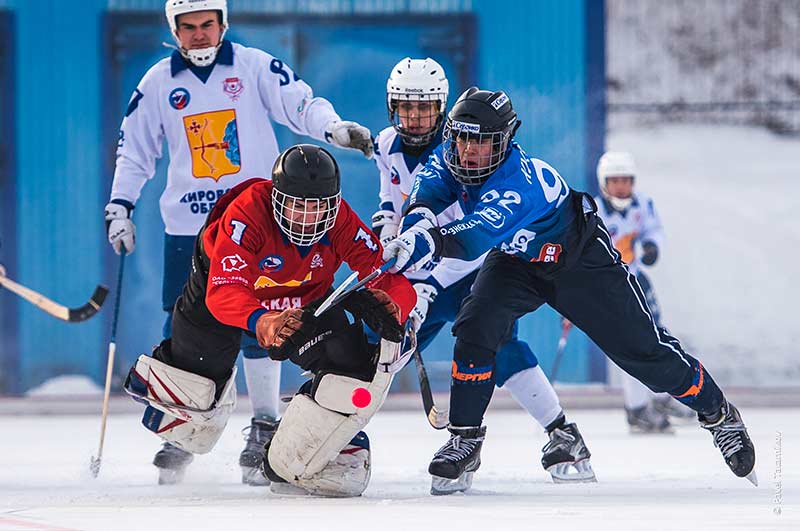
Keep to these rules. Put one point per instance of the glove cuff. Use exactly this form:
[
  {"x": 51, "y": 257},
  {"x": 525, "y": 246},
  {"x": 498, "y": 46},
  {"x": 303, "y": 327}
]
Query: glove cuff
[{"x": 127, "y": 204}]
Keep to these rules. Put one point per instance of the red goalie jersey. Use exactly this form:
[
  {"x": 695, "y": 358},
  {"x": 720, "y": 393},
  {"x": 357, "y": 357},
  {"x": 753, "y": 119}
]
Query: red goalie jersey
[{"x": 254, "y": 268}]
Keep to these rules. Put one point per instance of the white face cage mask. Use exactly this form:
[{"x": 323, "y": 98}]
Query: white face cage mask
[
  {"x": 435, "y": 115},
  {"x": 619, "y": 203},
  {"x": 473, "y": 169},
  {"x": 305, "y": 220}
]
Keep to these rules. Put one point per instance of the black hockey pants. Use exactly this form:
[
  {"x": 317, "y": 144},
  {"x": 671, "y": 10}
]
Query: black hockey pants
[{"x": 598, "y": 294}]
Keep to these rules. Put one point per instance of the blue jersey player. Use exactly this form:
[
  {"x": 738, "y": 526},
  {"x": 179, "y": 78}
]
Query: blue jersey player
[
  {"x": 546, "y": 245},
  {"x": 416, "y": 96}
]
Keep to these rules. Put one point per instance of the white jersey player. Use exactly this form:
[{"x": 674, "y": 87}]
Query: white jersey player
[
  {"x": 213, "y": 102},
  {"x": 635, "y": 228},
  {"x": 416, "y": 98}
]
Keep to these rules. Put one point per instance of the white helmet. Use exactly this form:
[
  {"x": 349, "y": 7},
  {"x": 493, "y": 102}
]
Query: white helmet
[
  {"x": 416, "y": 80},
  {"x": 615, "y": 164},
  {"x": 173, "y": 8}
]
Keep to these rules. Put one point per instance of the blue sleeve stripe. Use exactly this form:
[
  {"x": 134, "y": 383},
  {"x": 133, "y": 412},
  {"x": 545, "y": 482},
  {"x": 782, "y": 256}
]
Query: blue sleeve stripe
[
  {"x": 123, "y": 202},
  {"x": 251, "y": 321},
  {"x": 387, "y": 205}
]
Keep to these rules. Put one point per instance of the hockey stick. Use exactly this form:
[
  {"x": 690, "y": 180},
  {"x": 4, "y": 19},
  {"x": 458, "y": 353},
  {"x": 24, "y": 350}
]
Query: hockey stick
[
  {"x": 438, "y": 418},
  {"x": 341, "y": 292},
  {"x": 566, "y": 325},
  {"x": 71, "y": 315},
  {"x": 94, "y": 465}
]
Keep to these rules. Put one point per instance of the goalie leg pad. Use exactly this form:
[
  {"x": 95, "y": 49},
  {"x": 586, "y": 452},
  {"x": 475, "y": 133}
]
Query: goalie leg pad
[
  {"x": 180, "y": 405},
  {"x": 314, "y": 431}
]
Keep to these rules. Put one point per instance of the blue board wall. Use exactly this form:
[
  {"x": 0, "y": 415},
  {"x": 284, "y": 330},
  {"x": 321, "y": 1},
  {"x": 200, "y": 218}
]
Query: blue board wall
[{"x": 537, "y": 51}]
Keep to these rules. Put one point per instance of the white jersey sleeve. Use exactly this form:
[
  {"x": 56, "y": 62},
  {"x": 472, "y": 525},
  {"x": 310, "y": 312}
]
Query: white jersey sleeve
[
  {"x": 386, "y": 195},
  {"x": 651, "y": 230},
  {"x": 290, "y": 101},
  {"x": 140, "y": 138}
]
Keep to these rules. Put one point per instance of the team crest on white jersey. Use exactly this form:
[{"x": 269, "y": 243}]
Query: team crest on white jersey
[
  {"x": 233, "y": 87},
  {"x": 179, "y": 98}
]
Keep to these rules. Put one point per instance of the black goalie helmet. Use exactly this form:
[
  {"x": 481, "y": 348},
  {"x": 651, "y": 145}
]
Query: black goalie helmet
[
  {"x": 306, "y": 192},
  {"x": 477, "y": 134}
]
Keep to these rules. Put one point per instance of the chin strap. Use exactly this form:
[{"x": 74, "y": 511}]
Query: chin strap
[{"x": 203, "y": 56}]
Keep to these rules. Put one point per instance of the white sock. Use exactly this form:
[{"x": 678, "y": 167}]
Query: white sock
[
  {"x": 636, "y": 393},
  {"x": 263, "y": 376},
  {"x": 533, "y": 391}
]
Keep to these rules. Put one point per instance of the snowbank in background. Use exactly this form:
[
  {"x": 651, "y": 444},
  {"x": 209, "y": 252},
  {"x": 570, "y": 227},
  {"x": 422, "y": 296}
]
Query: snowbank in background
[
  {"x": 68, "y": 385},
  {"x": 729, "y": 199}
]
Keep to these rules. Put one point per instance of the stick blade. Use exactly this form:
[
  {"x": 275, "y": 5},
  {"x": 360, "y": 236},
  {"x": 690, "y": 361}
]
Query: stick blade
[
  {"x": 89, "y": 309},
  {"x": 438, "y": 419}
]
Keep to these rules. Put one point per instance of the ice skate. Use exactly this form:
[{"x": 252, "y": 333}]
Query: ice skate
[
  {"x": 647, "y": 419},
  {"x": 673, "y": 409},
  {"x": 455, "y": 463},
  {"x": 566, "y": 456},
  {"x": 257, "y": 436},
  {"x": 171, "y": 462},
  {"x": 345, "y": 476},
  {"x": 730, "y": 436}
]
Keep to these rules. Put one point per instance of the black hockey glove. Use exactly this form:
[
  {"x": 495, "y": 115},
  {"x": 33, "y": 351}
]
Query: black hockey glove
[
  {"x": 649, "y": 253},
  {"x": 376, "y": 308}
]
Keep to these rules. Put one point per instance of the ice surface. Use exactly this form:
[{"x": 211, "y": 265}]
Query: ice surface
[{"x": 645, "y": 482}]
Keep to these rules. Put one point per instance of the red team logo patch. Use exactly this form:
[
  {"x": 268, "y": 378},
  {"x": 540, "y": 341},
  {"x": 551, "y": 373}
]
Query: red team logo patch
[{"x": 549, "y": 253}]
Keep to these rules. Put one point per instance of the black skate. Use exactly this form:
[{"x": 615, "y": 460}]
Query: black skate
[
  {"x": 566, "y": 456},
  {"x": 455, "y": 463},
  {"x": 171, "y": 462},
  {"x": 258, "y": 434},
  {"x": 673, "y": 409},
  {"x": 730, "y": 436},
  {"x": 647, "y": 419}
]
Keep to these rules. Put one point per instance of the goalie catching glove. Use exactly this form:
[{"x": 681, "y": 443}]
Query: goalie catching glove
[
  {"x": 274, "y": 328},
  {"x": 377, "y": 309}
]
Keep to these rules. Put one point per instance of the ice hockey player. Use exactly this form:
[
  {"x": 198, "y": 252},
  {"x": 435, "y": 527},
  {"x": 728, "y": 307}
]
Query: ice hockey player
[
  {"x": 268, "y": 251},
  {"x": 416, "y": 97},
  {"x": 213, "y": 100},
  {"x": 636, "y": 231},
  {"x": 546, "y": 245}
]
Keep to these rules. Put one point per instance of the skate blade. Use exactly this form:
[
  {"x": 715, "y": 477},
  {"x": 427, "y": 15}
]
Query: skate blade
[
  {"x": 751, "y": 477},
  {"x": 635, "y": 430},
  {"x": 578, "y": 472},
  {"x": 254, "y": 477},
  {"x": 443, "y": 486},
  {"x": 171, "y": 476}
]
